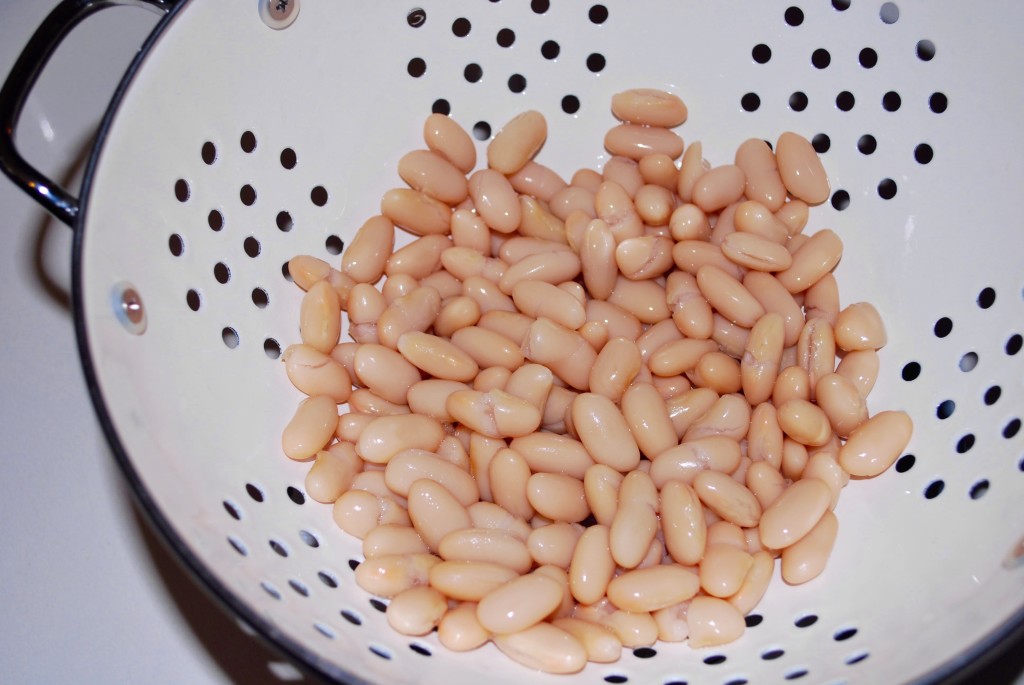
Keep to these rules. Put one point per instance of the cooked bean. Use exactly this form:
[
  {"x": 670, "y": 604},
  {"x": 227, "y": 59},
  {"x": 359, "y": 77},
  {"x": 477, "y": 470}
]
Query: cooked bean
[
  {"x": 320, "y": 317},
  {"x": 764, "y": 437},
  {"x": 760, "y": 363},
  {"x": 689, "y": 222},
  {"x": 597, "y": 252},
  {"x": 551, "y": 267},
  {"x": 604, "y": 432},
  {"x": 615, "y": 207},
  {"x": 553, "y": 453},
  {"x": 633, "y": 628},
  {"x": 508, "y": 474},
  {"x": 794, "y": 513},
  {"x": 485, "y": 514},
  {"x": 414, "y": 312},
  {"x": 592, "y": 566},
  {"x": 315, "y": 373},
  {"x": 385, "y": 372},
  {"x": 554, "y": 544},
  {"x": 619, "y": 322},
  {"x": 683, "y": 523},
  {"x": 563, "y": 351},
  {"x": 543, "y": 647},
  {"x": 634, "y": 141},
  {"x": 623, "y": 171},
  {"x": 469, "y": 230},
  {"x": 331, "y": 474},
  {"x": 431, "y": 173},
  {"x": 416, "y": 212},
  {"x": 874, "y": 445},
  {"x": 684, "y": 461},
  {"x": 794, "y": 214},
  {"x": 690, "y": 255},
  {"x": 408, "y": 466},
  {"x": 723, "y": 569},
  {"x": 713, "y": 621},
  {"x": 537, "y": 180},
  {"x": 647, "y": 416},
  {"x": 754, "y": 252},
  {"x": 392, "y": 539},
  {"x": 755, "y": 584},
  {"x": 650, "y": 589},
  {"x": 495, "y": 200},
  {"x": 557, "y": 497},
  {"x": 485, "y": 544},
  {"x": 495, "y": 413},
  {"x": 311, "y": 427},
  {"x": 435, "y": 512},
  {"x": 616, "y": 366},
  {"x": 588, "y": 179},
  {"x": 724, "y": 225},
  {"x": 825, "y": 467},
  {"x": 386, "y": 436},
  {"x": 718, "y": 371},
  {"x": 306, "y": 270},
  {"x": 792, "y": 383},
  {"x": 556, "y": 408},
  {"x": 654, "y": 204},
  {"x": 821, "y": 300},
  {"x": 601, "y": 485},
  {"x": 569, "y": 200},
  {"x": 367, "y": 254},
  {"x": 416, "y": 611},
  {"x": 860, "y": 367},
  {"x": 805, "y": 559},
  {"x": 649, "y": 107},
  {"x": 632, "y": 530},
  {"x": 531, "y": 382},
  {"x": 659, "y": 169},
  {"x": 728, "y": 295},
  {"x": 763, "y": 181},
  {"x": 601, "y": 644},
  {"x": 692, "y": 167},
  {"x": 775, "y": 298},
  {"x": 811, "y": 261},
  {"x": 517, "y": 142},
  {"x": 718, "y": 187},
  {"x": 469, "y": 581},
  {"x": 729, "y": 416},
  {"x": 541, "y": 299},
  {"x": 388, "y": 575},
  {"x": 754, "y": 219},
  {"x": 443, "y": 135},
  {"x": 460, "y": 631},
  {"x": 805, "y": 422},
  {"x": 727, "y": 498},
  {"x": 842, "y": 403},
  {"x": 519, "y": 604},
  {"x": 643, "y": 299},
  {"x": 437, "y": 356},
  {"x": 688, "y": 407},
  {"x": 538, "y": 222},
  {"x": 800, "y": 168},
  {"x": 859, "y": 327}
]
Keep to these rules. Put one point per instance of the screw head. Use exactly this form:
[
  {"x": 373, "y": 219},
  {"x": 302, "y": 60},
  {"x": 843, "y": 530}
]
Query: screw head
[{"x": 279, "y": 14}]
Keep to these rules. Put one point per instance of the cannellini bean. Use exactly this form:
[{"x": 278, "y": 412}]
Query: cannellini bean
[
  {"x": 860, "y": 367},
  {"x": 427, "y": 397},
  {"x": 331, "y": 474},
  {"x": 601, "y": 485},
  {"x": 485, "y": 544},
  {"x": 557, "y": 497},
  {"x": 804, "y": 422},
  {"x": 460, "y": 631},
  {"x": 416, "y": 212},
  {"x": 761, "y": 357},
  {"x": 632, "y": 531},
  {"x": 385, "y": 436},
  {"x": 356, "y": 512},
  {"x": 811, "y": 261},
  {"x": 615, "y": 207},
  {"x": 435, "y": 512},
  {"x": 553, "y": 453},
  {"x": 367, "y": 254},
  {"x": 727, "y": 498},
  {"x": 718, "y": 371},
  {"x": 724, "y": 224},
  {"x": 443, "y": 135},
  {"x": 541, "y": 299},
  {"x": 874, "y": 445},
  {"x": 644, "y": 257},
  {"x": 805, "y": 559},
  {"x": 537, "y": 180},
  {"x": 753, "y": 219},
  {"x": 775, "y": 298},
  {"x": 469, "y": 230},
  {"x": 538, "y": 222},
  {"x": 385, "y": 372},
  {"x": 617, "y": 364},
  {"x": 554, "y": 544},
  {"x": 792, "y": 383},
  {"x": 800, "y": 168},
  {"x": 517, "y": 142},
  {"x": 495, "y": 200},
  {"x": 794, "y": 214},
  {"x": 509, "y": 473},
  {"x": 842, "y": 403},
  {"x": 794, "y": 513},
  {"x": 366, "y": 401},
  {"x": 728, "y": 295},
  {"x": 410, "y": 465},
  {"x": 689, "y": 222},
  {"x": 519, "y": 604},
  {"x": 690, "y": 311},
  {"x": 551, "y": 267},
  {"x": 633, "y": 628},
  {"x": 623, "y": 171},
  {"x": 495, "y": 413},
  {"x": 683, "y": 523},
  {"x": 719, "y": 187},
  {"x": 315, "y": 373},
  {"x": 685, "y": 409},
  {"x": 413, "y": 312},
  {"x": 543, "y": 647},
  {"x": 393, "y": 539},
  {"x": 692, "y": 167},
  {"x": 569, "y": 200},
  {"x": 604, "y": 432},
  {"x": 563, "y": 351},
  {"x": 763, "y": 181},
  {"x": 597, "y": 259},
  {"x": 489, "y": 515},
  {"x": 469, "y": 581},
  {"x": 726, "y": 533},
  {"x": 588, "y": 179},
  {"x": 650, "y": 589},
  {"x": 619, "y": 322},
  {"x": 320, "y": 317},
  {"x": 860, "y": 327},
  {"x": 306, "y": 270},
  {"x": 794, "y": 459},
  {"x": 684, "y": 461},
  {"x": 647, "y": 416},
  {"x": 351, "y": 425},
  {"x": 436, "y": 356},
  {"x": 635, "y": 141},
  {"x": 713, "y": 621},
  {"x": 821, "y": 300},
  {"x": 531, "y": 382},
  {"x": 592, "y": 566},
  {"x": 729, "y": 416},
  {"x": 311, "y": 428},
  {"x": 816, "y": 351},
  {"x": 388, "y": 575},
  {"x": 659, "y": 169},
  {"x": 416, "y": 611},
  {"x": 754, "y": 252},
  {"x": 649, "y": 107},
  {"x": 765, "y": 481},
  {"x": 723, "y": 569},
  {"x": 488, "y": 348},
  {"x": 755, "y": 584},
  {"x": 430, "y": 173},
  {"x": 825, "y": 467},
  {"x": 654, "y": 204},
  {"x": 601, "y": 644},
  {"x": 690, "y": 255}
]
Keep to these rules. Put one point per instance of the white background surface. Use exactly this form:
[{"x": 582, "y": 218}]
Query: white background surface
[{"x": 87, "y": 592}]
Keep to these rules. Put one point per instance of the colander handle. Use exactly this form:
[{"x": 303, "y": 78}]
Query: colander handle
[{"x": 36, "y": 53}]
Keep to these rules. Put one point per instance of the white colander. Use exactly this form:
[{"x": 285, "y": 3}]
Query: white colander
[{"x": 232, "y": 146}]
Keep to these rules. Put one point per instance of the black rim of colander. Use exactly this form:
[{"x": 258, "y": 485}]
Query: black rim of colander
[{"x": 955, "y": 670}]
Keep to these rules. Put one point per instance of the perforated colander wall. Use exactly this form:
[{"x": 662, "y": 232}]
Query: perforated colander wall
[{"x": 274, "y": 157}]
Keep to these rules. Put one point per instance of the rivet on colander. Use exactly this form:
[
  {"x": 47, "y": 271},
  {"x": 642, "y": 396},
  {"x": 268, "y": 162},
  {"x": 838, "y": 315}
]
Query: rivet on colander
[
  {"x": 279, "y": 14},
  {"x": 128, "y": 308}
]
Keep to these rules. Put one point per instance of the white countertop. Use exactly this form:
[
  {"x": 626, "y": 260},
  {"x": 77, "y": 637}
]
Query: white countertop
[{"x": 89, "y": 593}]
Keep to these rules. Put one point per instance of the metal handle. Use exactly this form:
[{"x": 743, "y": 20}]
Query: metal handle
[{"x": 36, "y": 53}]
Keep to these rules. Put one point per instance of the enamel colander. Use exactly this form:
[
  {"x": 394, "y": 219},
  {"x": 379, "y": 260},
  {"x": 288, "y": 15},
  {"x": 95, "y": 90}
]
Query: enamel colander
[{"x": 248, "y": 132}]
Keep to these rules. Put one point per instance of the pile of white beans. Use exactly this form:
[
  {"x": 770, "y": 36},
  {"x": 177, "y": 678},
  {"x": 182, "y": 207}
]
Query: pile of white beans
[{"x": 589, "y": 415}]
